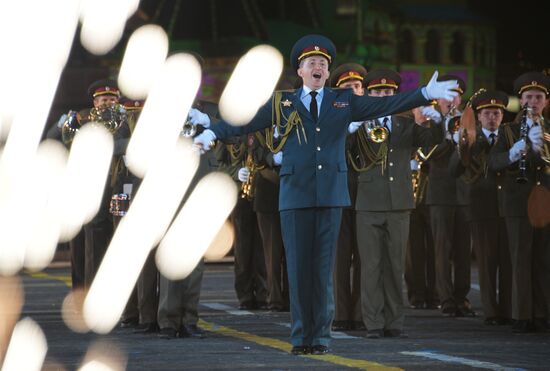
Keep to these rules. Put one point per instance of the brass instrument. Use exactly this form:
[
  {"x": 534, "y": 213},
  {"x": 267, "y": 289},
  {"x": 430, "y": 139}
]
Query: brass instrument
[
  {"x": 247, "y": 187},
  {"x": 70, "y": 127},
  {"x": 188, "y": 130},
  {"x": 419, "y": 178},
  {"x": 376, "y": 132},
  {"x": 539, "y": 120},
  {"x": 111, "y": 117}
]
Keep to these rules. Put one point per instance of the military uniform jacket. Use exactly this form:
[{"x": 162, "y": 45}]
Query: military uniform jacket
[
  {"x": 391, "y": 188},
  {"x": 443, "y": 188},
  {"x": 314, "y": 170},
  {"x": 266, "y": 182},
  {"x": 483, "y": 183},
  {"x": 515, "y": 195}
]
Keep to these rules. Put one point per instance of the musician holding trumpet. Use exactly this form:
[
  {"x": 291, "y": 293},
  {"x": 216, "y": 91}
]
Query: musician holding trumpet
[
  {"x": 381, "y": 154},
  {"x": 521, "y": 152}
]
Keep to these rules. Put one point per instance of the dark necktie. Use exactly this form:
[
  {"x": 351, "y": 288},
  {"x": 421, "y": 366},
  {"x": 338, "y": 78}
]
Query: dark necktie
[
  {"x": 492, "y": 139},
  {"x": 313, "y": 105},
  {"x": 385, "y": 122}
]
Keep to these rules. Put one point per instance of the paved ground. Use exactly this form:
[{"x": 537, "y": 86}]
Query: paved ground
[{"x": 259, "y": 340}]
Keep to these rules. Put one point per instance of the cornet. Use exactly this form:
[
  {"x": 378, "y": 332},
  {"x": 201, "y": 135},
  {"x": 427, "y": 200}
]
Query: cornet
[{"x": 376, "y": 132}]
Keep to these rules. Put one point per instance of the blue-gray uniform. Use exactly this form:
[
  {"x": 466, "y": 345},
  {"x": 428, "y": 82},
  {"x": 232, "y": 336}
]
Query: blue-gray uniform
[
  {"x": 314, "y": 186},
  {"x": 313, "y": 190}
]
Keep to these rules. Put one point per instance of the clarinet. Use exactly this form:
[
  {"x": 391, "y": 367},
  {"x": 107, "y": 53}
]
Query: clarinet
[{"x": 523, "y": 130}]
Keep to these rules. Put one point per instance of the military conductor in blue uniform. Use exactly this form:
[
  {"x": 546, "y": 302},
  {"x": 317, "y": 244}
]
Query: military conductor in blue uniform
[{"x": 312, "y": 124}]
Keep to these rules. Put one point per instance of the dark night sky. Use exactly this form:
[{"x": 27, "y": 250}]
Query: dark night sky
[{"x": 523, "y": 32}]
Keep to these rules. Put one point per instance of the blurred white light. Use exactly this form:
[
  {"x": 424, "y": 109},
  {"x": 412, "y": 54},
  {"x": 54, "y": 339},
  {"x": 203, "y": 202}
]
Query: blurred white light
[
  {"x": 71, "y": 311},
  {"x": 141, "y": 229},
  {"x": 43, "y": 222},
  {"x": 87, "y": 169},
  {"x": 222, "y": 242},
  {"x": 51, "y": 42},
  {"x": 11, "y": 303},
  {"x": 261, "y": 66},
  {"x": 27, "y": 348},
  {"x": 513, "y": 104},
  {"x": 143, "y": 60},
  {"x": 103, "y": 23},
  {"x": 164, "y": 113},
  {"x": 196, "y": 225},
  {"x": 104, "y": 356}
]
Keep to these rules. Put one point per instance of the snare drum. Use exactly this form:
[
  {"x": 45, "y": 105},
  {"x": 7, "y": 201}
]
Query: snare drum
[{"x": 119, "y": 204}]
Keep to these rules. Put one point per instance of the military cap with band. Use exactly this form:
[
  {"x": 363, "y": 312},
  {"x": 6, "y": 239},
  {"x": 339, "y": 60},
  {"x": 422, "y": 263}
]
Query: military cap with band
[
  {"x": 382, "y": 78},
  {"x": 103, "y": 87},
  {"x": 461, "y": 84},
  {"x": 132, "y": 104},
  {"x": 532, "y": 80},
  {"x": 347, "y": 72},
  {"x": 311, "y": 45},
  {"x": 490, "y": 99}
]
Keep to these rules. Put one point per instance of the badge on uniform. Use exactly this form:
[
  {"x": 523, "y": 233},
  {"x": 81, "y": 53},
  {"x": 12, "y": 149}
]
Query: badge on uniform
[
  {"x": 340, "y": 104},
  {"x": 286, "y": 103}
]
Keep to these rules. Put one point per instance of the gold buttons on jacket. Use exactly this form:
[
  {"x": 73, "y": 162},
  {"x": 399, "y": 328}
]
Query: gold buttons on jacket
[
  {"x": 317, "y": 129},
  {"x": 320, "y": 167},
  {"x": 499, "y": 187},
  {"x": 391, "y": 179},
  {"x": 318, "y": 148},
  {"x": 391, "y": 163}
]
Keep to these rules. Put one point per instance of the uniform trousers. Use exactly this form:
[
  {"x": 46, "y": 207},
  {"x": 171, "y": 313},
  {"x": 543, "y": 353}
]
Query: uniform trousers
[
  {"x": 382, "y": 239},
  {"x": 310, "y": 236}
]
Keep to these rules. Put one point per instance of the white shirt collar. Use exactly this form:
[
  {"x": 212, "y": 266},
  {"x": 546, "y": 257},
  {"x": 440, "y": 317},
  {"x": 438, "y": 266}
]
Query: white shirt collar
[
  {"x": 306, "y": 91},
  {"x": 487, "y": 133}
]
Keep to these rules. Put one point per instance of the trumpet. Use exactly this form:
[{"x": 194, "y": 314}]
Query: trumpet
[
  {"x": 112, "y": 117},
  {"x": 376, "y": 132},
  {"x": 189, "y": 129}
]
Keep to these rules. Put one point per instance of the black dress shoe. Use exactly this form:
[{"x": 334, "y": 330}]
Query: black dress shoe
[
  {"x": 341, "y": 326},
  {"x": 319, "y": 349},
  {"x": 299, "y": 350},
  {"x": 522, "y": 327},
  {"x": 448, "y": 309},
  {"x": 375, "y": 334},
  {"x": 247, "y": 305},
  {"x": 432, "y": 305},
  {"x": 417, "y": 305},
  {"x": 129, "y": 322},
  {"x": 358, "y": 326},
  {"x": 262, "y": 305},
  {"x": 193, "y": 331},
  {"x": 394, "y": 333},
  {"x": 465, "y": 311},
  {"x": 491, "y": 321},
  {"x": 541, "y": 325},
  {"x": 167, "y": 333},
  {"x": 147, "y": 328}
]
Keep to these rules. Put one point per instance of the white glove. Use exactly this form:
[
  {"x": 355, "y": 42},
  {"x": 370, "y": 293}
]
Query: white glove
[
  {"x": 278, "y": 158},
  {"x": 441, "y": 89},
  {"x": 536, "y": 137},
  {"x": 243, "y": 174},
  {"x": 431, "y": 113},
  {"x": 354, "y": 126},
  {"x": 517, "y": 149},
  {"x": 205, "y": 140},
  {"x": 198, "y": 118},
  {"x": 414, "y": 165}
]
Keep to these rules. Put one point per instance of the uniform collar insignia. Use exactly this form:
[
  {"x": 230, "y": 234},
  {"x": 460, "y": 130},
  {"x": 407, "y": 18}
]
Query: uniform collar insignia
[{"x": 286, "y": 103}]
